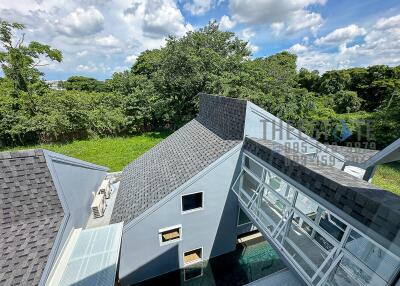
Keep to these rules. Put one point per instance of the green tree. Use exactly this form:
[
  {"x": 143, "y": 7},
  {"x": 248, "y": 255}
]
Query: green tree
[
  {"x": 309, "y": 79},
  {"x": 20, "y": 62},
  {"x": 346, "y": 101},
  {"x": 200, "y": 61},
  {"x": 82, "y": 83},
  {"x": 334, "y": 81}
]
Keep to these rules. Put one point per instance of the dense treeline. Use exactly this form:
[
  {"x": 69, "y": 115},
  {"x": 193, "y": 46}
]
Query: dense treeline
[{"x": 160, "y": 91}]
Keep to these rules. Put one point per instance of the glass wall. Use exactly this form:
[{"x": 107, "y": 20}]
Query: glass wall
[{"x": 323, "y": 248}]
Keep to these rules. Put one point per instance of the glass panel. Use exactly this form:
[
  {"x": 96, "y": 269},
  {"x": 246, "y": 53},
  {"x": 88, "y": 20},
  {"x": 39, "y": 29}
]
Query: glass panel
[
  {"x": 307, "y": 206},
  {"x": 332, "y": 225},
  {"x": 298, "y": 258},
  {"x": 272, "y": 206},
  {"x": 302, "y": 241},
  {"x": 254, "y": 167},
  {"x": 242, "y": 218},
  {"x": 339, "y": 277},
  {"x": 280, "y": 186},
  {"x": 245, "y": 187},
  {"x": 372, "y": 256},
  {"x": 349, "y": 273},
  {"x": 249, "y": 184}
]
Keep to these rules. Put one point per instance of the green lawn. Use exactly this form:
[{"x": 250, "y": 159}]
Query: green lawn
[
  {"x": 118, "y": 152},
  {"x": 114, "y": 153},
  {"x": 388, "y": 177}
]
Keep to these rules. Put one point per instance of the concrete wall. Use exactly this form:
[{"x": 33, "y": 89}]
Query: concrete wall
[
  {"x": 142, "y": 257},
  {"x": 75, "y": 180},
  {"x": 263, "y": 125}
]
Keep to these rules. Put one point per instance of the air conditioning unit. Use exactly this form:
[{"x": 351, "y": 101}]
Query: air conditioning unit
[
  {"x": 105, "y": 188},
  {"x": 99, "y": 205}
]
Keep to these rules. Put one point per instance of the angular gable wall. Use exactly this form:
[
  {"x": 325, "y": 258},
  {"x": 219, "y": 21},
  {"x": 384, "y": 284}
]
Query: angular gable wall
[
  {"x": 75, "y": 180},
  {"x": 263, "y": 125},
  {"x": 142, "y": 257}
]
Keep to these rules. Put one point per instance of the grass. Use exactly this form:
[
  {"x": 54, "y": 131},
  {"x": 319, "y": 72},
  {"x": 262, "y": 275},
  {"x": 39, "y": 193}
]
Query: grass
[
  {"x": 118, "y": 152},
  {"x": 115, "y": 153},
  {"x": 388, "y": 177}
]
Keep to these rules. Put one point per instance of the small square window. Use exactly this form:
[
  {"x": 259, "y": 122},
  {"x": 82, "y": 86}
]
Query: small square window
[
  {"x": 193, "y": 256},
  {"x": 170, "y": 234},
  {"x": 192, "y": 202}
]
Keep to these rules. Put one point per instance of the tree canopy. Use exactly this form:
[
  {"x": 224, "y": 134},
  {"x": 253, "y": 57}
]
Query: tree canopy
[
  {"x": 20, "y": 62},
  {"x": 160, "y": 91}
]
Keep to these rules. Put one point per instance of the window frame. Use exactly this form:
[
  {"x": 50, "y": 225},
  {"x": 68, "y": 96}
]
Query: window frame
[
  {"x": 195, "y": 209},
  {"x": 193, "y": 262},
  {"x": 165, "y": 229}
]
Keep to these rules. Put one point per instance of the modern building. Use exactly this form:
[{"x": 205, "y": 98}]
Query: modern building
[
  {"x": 180, "y": 201},
  {"x": 186, "y": 211},
  {"x": 45, "y": 201}
]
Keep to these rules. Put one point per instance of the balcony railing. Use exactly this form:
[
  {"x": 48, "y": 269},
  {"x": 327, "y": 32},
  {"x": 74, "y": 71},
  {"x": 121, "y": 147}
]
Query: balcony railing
[{"x": 322, "y": 247}]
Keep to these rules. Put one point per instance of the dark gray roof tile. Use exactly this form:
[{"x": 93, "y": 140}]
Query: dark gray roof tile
[
  {"x": 360, "y": 199},
  {"x": 353, "y": 154},
  {"x": 30, "y": 216},
  {"x": 147, "y": 180}
]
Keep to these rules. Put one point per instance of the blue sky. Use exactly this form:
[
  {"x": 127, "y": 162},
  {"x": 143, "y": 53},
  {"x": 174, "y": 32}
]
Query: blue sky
[{"x": 100, "y": 37}]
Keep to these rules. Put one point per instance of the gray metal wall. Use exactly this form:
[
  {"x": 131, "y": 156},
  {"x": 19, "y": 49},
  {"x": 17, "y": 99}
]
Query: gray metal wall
[
  {"x": 279, "y": 131},
  {"x": 75, "y": 180},
  {"x": 142, "y": 257}
]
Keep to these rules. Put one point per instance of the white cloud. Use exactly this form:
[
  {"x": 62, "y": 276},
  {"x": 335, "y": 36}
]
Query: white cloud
[
  {"x": 108, "y": 41},
  {"x": 86, "y": 68},
  {"x": 342, "y": 35},
  {"x": 198, "y": 7},
  {"x": 380, "y": 45},
  {"x": 247, "y": 34},
  {"x": 82, "y": 53},
  {"x": 131, "y": 59},
  {"x": 253, "y": 48},
  {"x": 299, "y": 20},
  {"x": 226, "y": 23},
  {"x": 298, "y": 48},
  {"x": 159, "y": 18},
  {"x": 269, "y": 12},
  {"x": 90, "y": 68},
  {"x": 89, "y": 32},
  {"x": 81, "y": 22},
  {"x": 303, "y": 19},
  {"x": 391, "y": 22},
  {"x": 283, "y": 16},
  {"x": 277, "y": 28}
]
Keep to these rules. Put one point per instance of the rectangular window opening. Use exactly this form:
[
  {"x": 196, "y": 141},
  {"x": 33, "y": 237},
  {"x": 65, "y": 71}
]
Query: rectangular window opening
[
  {"x": 192, "y": 202},
  {"x": 193, "y": 256},
  {"x": 169, "y": 235},
  {"x": 242, "y": 218}
]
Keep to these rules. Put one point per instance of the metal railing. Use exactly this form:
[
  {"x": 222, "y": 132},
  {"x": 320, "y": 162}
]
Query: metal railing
[{"x": 322, "y": 247}]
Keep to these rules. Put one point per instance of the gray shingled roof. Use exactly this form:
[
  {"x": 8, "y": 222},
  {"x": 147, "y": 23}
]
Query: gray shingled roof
[
  {"x": 353, "y": 154},
  {"x": 30, "y": 216},
  {"x": 218, "y": 128},
  {"x": 373, "y": 207}
]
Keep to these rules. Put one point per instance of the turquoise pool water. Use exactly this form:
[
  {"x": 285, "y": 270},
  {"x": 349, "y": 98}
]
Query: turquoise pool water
[{"x": 249, "y": 262}]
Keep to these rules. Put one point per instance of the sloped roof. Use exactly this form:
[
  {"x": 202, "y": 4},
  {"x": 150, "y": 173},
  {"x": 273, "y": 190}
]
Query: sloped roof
[
  {"x": 218, "y": 128},
  {"x": 30, "y": 216},
  {"x": 353, "y": 154},
  {"x": 371, "y": 206}
]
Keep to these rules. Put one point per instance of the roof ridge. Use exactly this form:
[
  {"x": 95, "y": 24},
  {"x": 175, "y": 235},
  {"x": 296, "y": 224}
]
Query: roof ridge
[{"x": 21, "y": 153}]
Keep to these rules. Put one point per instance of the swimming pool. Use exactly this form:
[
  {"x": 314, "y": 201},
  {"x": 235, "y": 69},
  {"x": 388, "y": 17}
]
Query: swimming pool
[{"x": 250, "y": 261}]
